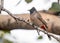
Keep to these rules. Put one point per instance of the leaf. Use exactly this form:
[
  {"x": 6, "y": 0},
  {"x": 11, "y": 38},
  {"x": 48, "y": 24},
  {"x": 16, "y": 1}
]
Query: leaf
[
  {"x": 28, "y": 1},
  {"x": 1, "y": 34},
  {"x": 55, "y": 7},
  {"x": 7, "y": 41},
  {"x": 6, "y": 31},
  {"x": 40, "y": 37}
]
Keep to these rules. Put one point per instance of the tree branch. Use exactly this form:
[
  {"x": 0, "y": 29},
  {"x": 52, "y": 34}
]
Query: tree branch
[
  {"x": 36, "y": 27},
  {"x": 39, "y": 29}
]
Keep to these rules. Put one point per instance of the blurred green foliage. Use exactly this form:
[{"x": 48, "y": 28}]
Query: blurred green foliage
[
  {"x": 55, "y": 7},
  {"x": 40, "y": 37},
  {"x": 7, "y": 41},
  {"x": 6, "y": 31},
  {"x": 1, "y": 34},
  {"x": 28, "y": 1}
]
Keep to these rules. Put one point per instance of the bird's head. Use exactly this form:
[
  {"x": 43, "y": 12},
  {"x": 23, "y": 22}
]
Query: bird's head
[{"x": 32, "y": 10}]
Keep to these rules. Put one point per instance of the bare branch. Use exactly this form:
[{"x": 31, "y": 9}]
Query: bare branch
[
  {"x": 50, "y": 34},
  {"x": 8, "y": 12},
  {"x": 1, "y": 5},
  {"x": 3, "y": 9},
  {"x": 18, "y": 2},
  {"x": 39, "y": 29}
]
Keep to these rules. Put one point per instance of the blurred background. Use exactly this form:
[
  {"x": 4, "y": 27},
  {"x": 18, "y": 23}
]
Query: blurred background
[{"x": 23, "y": 6}]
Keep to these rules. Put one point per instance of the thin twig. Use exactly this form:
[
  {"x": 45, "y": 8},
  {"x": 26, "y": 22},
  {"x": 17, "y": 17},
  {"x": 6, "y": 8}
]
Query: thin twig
[
  {"x": 58, "y": 39},
  {"x": 3, "y": 9},
  {"x": 36, "y": 27},
  {"x": 18, "y": 2},
  {"x": 1, "y": 5}
]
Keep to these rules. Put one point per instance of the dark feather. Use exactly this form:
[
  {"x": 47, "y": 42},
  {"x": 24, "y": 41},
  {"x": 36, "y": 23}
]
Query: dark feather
[{"x": 32, "y": 10}]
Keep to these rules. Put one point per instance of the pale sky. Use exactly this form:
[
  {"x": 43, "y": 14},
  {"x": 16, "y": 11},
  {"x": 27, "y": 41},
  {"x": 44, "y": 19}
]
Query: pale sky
[{"x": 23, "y": 7}]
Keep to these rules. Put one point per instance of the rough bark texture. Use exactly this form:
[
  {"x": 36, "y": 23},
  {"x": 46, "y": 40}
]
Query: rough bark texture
[{"x": 8, "y": 23}]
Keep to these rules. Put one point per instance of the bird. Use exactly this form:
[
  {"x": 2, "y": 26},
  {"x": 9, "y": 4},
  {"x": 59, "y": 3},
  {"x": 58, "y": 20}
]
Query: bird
[
  {"x": 33, "y": 14},
  {"x": 32, "y": 10},
  {"x": 34, "y": 19}
]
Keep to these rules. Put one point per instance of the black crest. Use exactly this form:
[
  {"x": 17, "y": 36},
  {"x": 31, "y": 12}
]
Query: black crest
[{"x": 32, "y": 10}]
